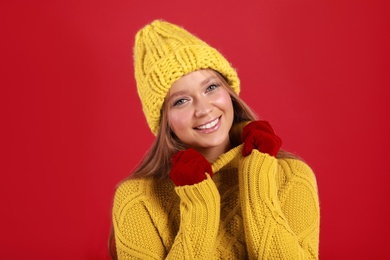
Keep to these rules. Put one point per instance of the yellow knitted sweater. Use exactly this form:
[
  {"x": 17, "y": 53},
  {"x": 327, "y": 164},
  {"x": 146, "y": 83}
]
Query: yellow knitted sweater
[{"x": 257, "y": 207}]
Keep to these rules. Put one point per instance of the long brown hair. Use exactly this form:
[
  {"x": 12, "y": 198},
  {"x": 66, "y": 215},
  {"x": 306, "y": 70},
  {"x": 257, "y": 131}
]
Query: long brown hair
[{"x": 157, "y": 160}]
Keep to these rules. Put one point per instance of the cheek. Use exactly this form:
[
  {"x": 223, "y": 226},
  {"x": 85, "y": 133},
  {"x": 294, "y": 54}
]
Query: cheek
[
  {"x": 178, "y": 120},
  {"x": 224, "y": 102}
]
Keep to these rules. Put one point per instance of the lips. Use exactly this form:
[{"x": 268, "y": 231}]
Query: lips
[{"x": 208, "y": 125}]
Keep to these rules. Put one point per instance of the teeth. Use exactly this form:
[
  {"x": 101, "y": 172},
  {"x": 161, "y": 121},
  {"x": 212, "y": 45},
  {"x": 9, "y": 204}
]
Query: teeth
[{"x": 209, "y": 125}]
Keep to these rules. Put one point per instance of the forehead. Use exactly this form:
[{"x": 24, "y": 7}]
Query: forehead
[{"x": 195, "y": 78}]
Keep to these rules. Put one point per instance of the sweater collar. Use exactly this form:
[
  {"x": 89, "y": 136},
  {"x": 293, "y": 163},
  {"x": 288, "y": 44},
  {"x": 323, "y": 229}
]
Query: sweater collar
[{"x": 229, "y": 159}]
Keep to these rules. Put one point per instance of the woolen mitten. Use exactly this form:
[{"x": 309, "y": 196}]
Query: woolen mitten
[
  {"x": 189, "y": 167},
  {"x": 260, "y": 135}
]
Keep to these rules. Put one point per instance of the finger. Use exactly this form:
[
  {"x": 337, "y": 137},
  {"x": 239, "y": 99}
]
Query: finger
[
  {"x": 266, "y": 126},
  {"x": 176, "y": 157}
]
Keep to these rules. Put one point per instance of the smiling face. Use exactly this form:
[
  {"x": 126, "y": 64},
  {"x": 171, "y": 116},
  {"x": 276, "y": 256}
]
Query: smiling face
[{"x": 200, "y": 112}]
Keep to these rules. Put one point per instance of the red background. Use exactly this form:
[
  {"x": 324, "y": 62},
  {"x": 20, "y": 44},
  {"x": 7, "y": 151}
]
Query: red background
[{"x": 72, "y": 125}]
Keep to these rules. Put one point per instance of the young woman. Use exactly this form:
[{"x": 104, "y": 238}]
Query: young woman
[{"x": 214, "y": 184}]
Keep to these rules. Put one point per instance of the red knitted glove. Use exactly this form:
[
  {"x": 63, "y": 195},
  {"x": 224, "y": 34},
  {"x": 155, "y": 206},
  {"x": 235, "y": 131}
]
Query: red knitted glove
[
  {"x": 189, "y": 167},
  {"x": 260, "y": 135}
]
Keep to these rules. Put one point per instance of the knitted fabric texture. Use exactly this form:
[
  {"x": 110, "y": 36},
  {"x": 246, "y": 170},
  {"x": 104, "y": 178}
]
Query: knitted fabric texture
[
  {"x": 164, "y": 52},
  {"x": 257, "y": 207}
]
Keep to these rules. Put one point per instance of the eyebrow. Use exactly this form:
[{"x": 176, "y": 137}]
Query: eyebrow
[
  {"x": 207, "y": 80},
  {"x": 178, "y": 93},
  {"x": 182, "y": 92}
]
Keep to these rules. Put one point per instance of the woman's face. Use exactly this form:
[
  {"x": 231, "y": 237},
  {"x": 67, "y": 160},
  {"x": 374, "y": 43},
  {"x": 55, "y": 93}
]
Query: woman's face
[{"x": 200, "y": 112}]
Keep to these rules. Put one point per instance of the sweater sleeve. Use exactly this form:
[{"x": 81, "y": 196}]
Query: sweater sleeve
[
  {"x": 199, "y": 221},
  {"x": 137, "y": 235},
  {"x": 275, "y": 229}
]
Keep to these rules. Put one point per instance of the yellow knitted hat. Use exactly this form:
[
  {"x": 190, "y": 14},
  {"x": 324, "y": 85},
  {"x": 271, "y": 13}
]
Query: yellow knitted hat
[{"x": 164, "y": 52}]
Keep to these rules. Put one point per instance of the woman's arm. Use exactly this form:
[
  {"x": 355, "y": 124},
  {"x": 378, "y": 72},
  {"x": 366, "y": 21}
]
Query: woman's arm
[
  {"x": 275, "y": 229},
  {"x": 138, "y": 236},
  {"x": 199, "y": 221}
]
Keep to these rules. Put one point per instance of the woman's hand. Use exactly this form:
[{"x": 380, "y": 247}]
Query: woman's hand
[
  {"x": 260, "y": 135},
  {"x": 189, "y": 167}
]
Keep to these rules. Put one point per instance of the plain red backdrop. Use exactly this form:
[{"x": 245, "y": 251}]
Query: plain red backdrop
[{"x": 72, "y": 125}]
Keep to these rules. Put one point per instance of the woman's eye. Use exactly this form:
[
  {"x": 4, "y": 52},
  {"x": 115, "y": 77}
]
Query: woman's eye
[
  {"x": 212, "y": 87},
  {"x": 179, "y": 102}
]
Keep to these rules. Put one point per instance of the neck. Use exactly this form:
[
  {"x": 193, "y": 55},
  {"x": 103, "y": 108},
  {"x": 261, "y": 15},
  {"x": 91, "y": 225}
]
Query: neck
[{"x": 212, "y": 153}]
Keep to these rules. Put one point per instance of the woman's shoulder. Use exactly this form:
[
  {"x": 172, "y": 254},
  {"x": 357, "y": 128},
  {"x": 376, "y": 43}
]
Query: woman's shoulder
[
  {"x": 295, "y": 165},
  {"x": 295, "y": 168},
  {"x": 141, "y": 189},
  {"x": 129, "y": 190}
]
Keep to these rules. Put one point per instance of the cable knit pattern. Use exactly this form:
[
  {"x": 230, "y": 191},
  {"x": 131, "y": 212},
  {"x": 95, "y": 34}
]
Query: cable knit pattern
[{"x": 256, "y": 207}]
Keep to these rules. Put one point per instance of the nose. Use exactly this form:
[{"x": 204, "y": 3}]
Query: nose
[{"x": 203, "y": 107}]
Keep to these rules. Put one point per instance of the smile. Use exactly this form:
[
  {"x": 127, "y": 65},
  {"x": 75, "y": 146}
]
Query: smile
[{"x": 208, "y": 125}]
